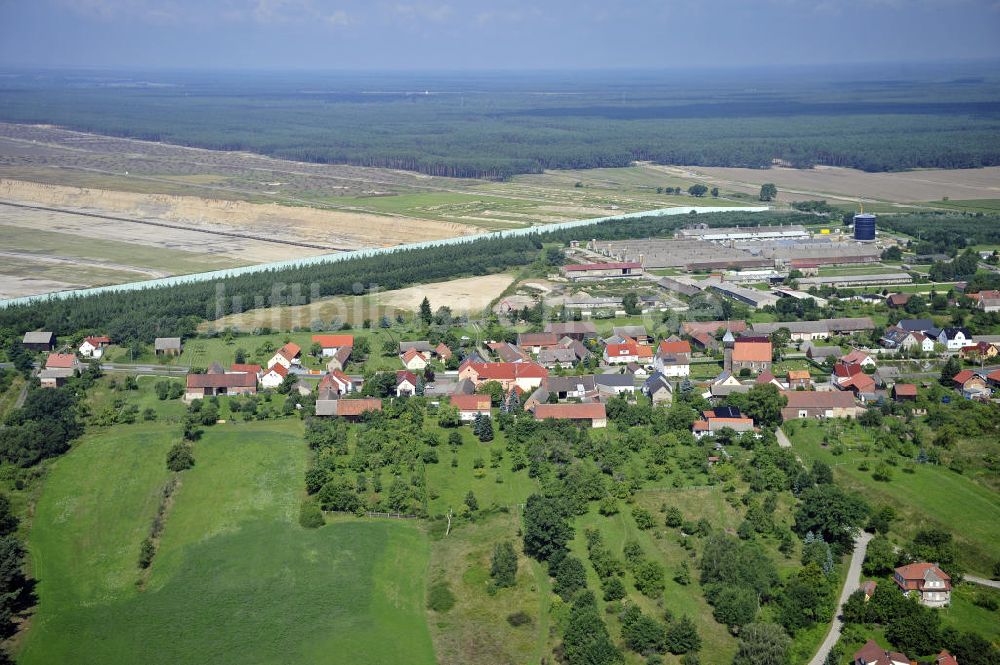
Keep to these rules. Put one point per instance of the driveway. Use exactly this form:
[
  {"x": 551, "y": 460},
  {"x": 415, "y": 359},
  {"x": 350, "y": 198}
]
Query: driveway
[
  {"x": 981, "y": 581},
  {"x": 851, "y": 584}
]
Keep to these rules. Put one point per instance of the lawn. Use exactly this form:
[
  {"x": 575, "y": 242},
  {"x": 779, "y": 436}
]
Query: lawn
[
  {"x": 235, "y": 580},
  {"x": 932, "y": 496}
]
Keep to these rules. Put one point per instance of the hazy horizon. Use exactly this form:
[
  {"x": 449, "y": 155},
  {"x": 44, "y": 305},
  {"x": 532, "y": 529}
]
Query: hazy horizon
[{"x": 352, "y": 35}]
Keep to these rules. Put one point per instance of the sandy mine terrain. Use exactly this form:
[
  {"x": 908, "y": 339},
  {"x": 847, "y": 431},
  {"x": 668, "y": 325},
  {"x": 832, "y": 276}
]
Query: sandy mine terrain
[{"x": 323, "y": 227}]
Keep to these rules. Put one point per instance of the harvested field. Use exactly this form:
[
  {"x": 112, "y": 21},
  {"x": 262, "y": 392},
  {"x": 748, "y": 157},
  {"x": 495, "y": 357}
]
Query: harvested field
[
  {"x": 467, "y": 294},
  {"x": 850, "y": 184}
]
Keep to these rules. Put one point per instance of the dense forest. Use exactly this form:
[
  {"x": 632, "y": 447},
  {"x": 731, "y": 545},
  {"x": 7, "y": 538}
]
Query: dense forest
[
  {"x": 502, "y": 125},
  {"x": 176, "y": 310}
]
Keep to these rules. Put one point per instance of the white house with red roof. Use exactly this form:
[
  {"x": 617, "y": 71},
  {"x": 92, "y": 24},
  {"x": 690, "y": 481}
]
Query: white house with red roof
[
  {"x": 627, "y": 351},
  {"x": 406, "y": 383},
  {"x": 720, "y": 418},
  {"x": 288, "y": 355},
  {"x": 274, "y": 376},
  {"x": 413, "y": 360},
  {"x": 93, "y": 346},
  {"x": 470, "y": 406},
  {"x": 333, "y": 343},
  {"x": 524, "y": 375},
  {"x": 673, "y": 358},
  {"x": 335, "y": 383},
  {"x": 930, "y": 584}
]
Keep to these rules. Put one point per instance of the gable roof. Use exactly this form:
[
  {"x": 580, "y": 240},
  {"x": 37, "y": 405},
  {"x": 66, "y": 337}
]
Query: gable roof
[
  {"x": 61, "y": 360},
  {"x": 905, "y": 389},
  {"x": 630, "y": 331},
  {"x": 470, "y": 402},
  {"x": 333, "y": 341},
  {"x": 443, "y": 351},
  {"x": 422, "y": 345},
  {"x": 97, "y": 341},
  {"x": 537, "y": 339},
  {"x": 799, "y": 375},
  {"x": 808, "y": 399},
  {"x": 405, "y": 375},
  {"x": 278, "y": 369},
  {"x": 579, "y": 267},
  {"x": 571, "y": 411},
  {"x": 509, "y": 371},
  {"x": 347, "y": 407},
  {"x": 253, "y": 369},
  {"x": 916, "y": 325},
  {"x": 232, "y": 380},
  {"x": 36, "y": 337},
  {"x": 571, "y": 328},
  {"x": 711, "y": 327},
  {"x": 290, "y": 350},
  {"x": 751, "y": 351},
  {"x": 963, "y": 376},
  {"x": 615, "y": 380},
  {"x": 674, "y": 347},
  {"x": 167, "y": 343},
  {"x": 855, "y": 356},
  {"x": 411, "y": 354}
]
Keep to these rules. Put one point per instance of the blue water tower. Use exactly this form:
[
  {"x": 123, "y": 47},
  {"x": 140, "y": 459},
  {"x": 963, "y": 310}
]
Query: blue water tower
[{"x": 864, "y": 226}]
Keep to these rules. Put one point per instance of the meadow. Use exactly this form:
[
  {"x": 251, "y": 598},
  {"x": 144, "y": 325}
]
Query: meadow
[
  {"x": 235, "y": 579},
  {"x": 931, "y": 496}
]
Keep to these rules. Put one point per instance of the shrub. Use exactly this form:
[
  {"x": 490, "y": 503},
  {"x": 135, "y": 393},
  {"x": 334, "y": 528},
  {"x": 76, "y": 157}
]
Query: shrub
[
  {"x": 180, "y": 457},
  {"x": 440, "y": 598},
  {"x": 310, "y": 516},
  {"x": 146, "y": 553},
  {"x": 518, "y": 619}
]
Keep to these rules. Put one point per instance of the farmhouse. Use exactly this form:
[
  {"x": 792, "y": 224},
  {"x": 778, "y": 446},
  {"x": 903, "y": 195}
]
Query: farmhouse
[
  {"x": 596, "y": 271},
  {"x": 507, "y": 352},
  {"x": 593, "y": 412},
  {"x": 39, "y": 341},
  {"x": 673, "y": 358},
  {"x": 955, "y": 338},
  {"x": 799, "y": 379},
  {"x": 930, "y": 584},
  {"x": 988, "y": 301},
  {"x": 413, "y": 360},
  {"x": 274, "y": 376},
  {"x": 167, "y": 346},
  {"x": 658, "y": 389},
  {"x": 333, "y": 343},
  {"x": 93, "y": 346},
  {"x": 754, "y": 356},
  {"x": 62, "y": 361},
  {"x": 527, "y": 375},
  {"x": 858, "y": 357},
  {"x": 286, "y": 356},
  {"x": 971, "y": 384},
  {"x": 334, "y": 384},
  {"x": 614, "y": 384},
  {"x": 535, "y": 342},
  {"x": 569, "y": 387},
  {"x": 406, "y": 383},
  {"x": 723, "y": 417},
  {"x": 54, "y": 377},
  {"x": 713, "y": 327},
  {"x": 825, "y": 404},
  {"x": 215, "y": 382},
  {"x": 557, "y": 357},
  {"x": 349, "y": 409},
  {"x": 340, "y": 358},
  {"x": 627, "y": 351},
  {"x": 470, "y": 406},
  {"x": 423, "y": 346},
  {"x": 872, "y": 654},
  {"x": 578, "y": 330}
]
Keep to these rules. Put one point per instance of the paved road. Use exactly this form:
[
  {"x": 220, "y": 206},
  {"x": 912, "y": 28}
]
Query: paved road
[
  {"x": 981, "y": 581},
  {"x": 851, "y": 584}
]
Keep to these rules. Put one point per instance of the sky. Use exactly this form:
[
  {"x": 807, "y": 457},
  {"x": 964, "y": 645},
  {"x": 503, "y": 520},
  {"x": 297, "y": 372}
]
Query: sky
[{"x": 496, "y": 34}]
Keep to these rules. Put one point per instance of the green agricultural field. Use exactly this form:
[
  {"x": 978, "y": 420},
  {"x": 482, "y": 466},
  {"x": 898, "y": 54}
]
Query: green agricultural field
[
  {"x": 932, "y": 496},
  {"x": 235, "y": 579},
  {"x": 972, "y": 205}
]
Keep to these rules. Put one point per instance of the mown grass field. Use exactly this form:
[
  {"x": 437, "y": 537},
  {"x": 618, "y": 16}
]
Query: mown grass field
[
  {"x": 235, "y": 580},
  {"x": 931, "y": 496}
]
